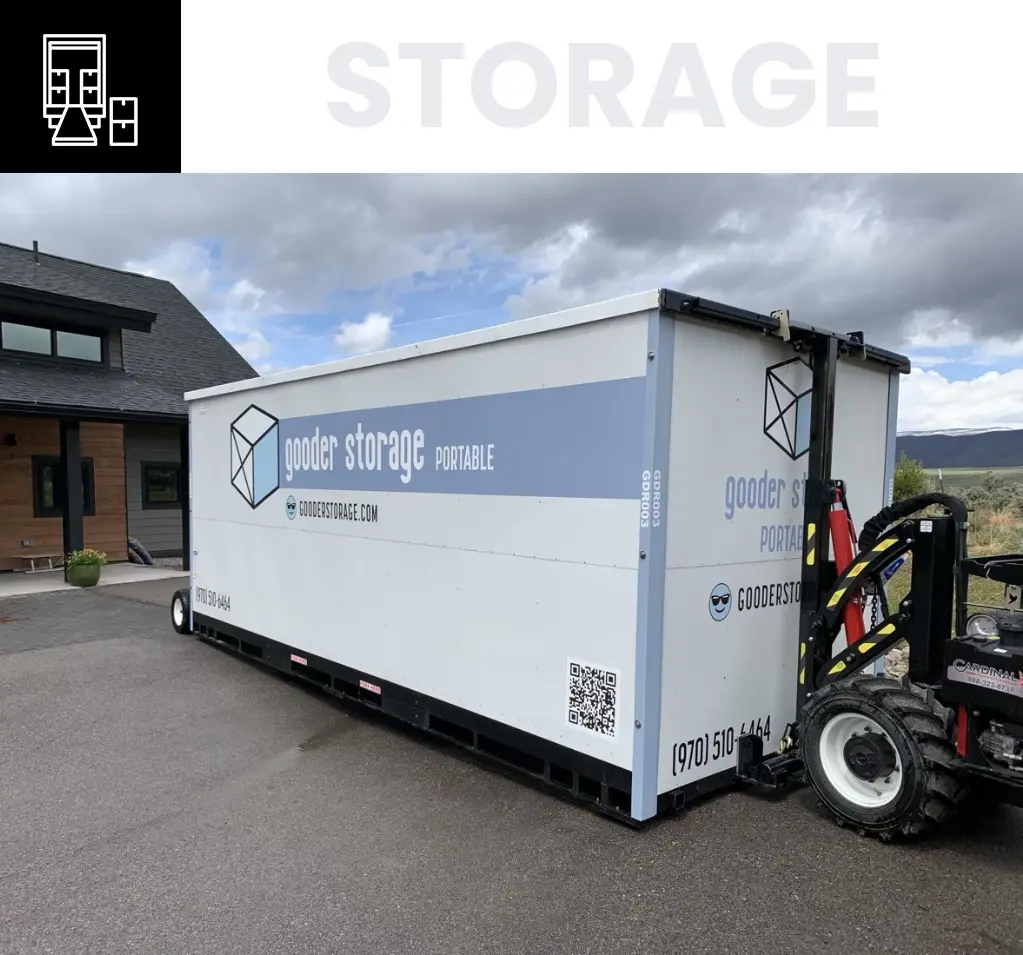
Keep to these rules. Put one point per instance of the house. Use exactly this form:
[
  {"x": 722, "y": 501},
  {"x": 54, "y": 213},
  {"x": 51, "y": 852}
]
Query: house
[{"x": 93, "y": 427}]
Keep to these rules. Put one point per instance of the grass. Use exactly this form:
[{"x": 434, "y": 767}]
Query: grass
[
  {"x": 973, "y": 477},
  {"x": 997, "y": 532},
  {"x": 982, "y": 591},
  {"x": 996, "y": 524}
]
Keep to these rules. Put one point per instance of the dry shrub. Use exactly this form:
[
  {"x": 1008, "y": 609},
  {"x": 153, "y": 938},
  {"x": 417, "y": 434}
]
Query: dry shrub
[{"x": 995, "y": 531}]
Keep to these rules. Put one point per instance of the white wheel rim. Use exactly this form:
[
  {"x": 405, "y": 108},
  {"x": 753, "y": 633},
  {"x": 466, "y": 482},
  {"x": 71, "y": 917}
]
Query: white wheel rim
[
  {"x": 866, "y": 794},
  {"x": 178, "y": 610}
]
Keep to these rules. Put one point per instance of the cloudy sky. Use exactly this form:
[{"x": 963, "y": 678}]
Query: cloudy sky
[{"x": 300, "y": 269}]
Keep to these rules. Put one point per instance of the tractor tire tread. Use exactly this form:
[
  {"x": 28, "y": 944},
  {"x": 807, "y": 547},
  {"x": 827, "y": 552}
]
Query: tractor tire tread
[
  {"x": 928, "y": 724},
  {"x": 875, "y": 684},
  {"x": 905, "y": 702},
  {"x": 925, "y": 727}
]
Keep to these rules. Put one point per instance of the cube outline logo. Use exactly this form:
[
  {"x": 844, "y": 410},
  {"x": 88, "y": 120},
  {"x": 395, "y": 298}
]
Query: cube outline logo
[
  {"x": 785, "y": 405},
  {"x": 254, "y": 452}
]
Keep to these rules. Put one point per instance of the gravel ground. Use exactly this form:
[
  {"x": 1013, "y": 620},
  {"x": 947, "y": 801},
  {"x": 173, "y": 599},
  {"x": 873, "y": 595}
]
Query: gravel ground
[
  {"x": 158, "y": 795},
  {"x": 896, "y": 661}
]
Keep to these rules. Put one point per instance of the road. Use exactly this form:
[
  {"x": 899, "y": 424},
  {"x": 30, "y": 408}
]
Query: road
[{"x": 158, "y": 795}]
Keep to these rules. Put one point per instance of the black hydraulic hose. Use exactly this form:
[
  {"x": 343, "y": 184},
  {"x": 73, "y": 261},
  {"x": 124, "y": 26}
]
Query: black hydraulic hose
[{"x": 884, "y": 518}]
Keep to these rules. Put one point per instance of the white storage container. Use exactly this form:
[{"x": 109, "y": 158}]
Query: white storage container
[{"x": 572, "y": 543}]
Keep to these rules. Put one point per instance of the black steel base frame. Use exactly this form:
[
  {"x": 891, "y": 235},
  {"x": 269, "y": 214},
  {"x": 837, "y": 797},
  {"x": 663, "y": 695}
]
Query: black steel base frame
[
  {"x": 591, "y": 782},
  {"x": 779, "y": 772}
]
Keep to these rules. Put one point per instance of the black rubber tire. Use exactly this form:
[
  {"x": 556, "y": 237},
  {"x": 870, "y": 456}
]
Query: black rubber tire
[
  {"x": 143, "y": 554},
  {"x": 184, "y": 598},
  {"x": 921, "y": 730}
]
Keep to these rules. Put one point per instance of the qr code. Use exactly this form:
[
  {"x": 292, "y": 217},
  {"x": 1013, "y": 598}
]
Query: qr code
[{"x": 592, "y": 698}]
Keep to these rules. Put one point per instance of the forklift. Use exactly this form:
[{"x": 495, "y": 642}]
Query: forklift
[{"x": 893, "y": 758}]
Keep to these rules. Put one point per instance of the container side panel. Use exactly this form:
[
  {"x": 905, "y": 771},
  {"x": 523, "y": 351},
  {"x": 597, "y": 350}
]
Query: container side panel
[
  {"x": 889, "y": 463},
  {"x": 653, "y": 523},
  {"x": 479, "y": 547},
  {"x": 737, "y": 467},
  {"x": 735, "y": 422},
  {"x": 601, "y": 351},
  {"x": 893, "y": 428},
  {"x": 864, "y": 439}
]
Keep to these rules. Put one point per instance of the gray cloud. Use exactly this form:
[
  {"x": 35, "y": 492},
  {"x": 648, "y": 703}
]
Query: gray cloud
[{"x": 851, "y": 252}]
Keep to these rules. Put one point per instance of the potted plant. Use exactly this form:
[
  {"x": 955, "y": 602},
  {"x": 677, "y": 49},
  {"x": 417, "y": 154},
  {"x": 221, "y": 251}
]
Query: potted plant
[{"x": 83, "y": 567}]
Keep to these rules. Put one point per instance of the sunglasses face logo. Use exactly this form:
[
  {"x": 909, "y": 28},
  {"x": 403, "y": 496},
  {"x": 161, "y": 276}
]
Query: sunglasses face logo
[
  {"x": 291, "y": 508},
  {"x": 720, "y": 602}
]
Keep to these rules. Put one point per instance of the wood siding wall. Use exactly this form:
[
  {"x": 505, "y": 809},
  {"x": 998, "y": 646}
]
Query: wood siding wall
[
  {"x": 156, "y": 529},
  {"x": 106, "y": 531}
]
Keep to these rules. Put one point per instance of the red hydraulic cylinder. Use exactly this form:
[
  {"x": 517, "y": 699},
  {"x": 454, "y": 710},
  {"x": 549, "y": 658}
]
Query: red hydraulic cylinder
[{"x": 842, "y": 538}]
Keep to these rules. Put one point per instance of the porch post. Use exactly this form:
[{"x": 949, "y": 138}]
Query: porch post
[
  {"x": 186, "y": 502},
  {"x": 69, "y": 488}
]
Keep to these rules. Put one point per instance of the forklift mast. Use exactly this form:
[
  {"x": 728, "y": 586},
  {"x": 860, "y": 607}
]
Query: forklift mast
[
  {"x": 957, "y": 717},
  {"x": 839, "y": 569},
  {"x": 818, "y": 572},
  {"x": 938, "y": 544}
]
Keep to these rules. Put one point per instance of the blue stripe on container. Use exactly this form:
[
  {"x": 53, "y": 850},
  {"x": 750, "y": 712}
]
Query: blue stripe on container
[{"x": 576, "y": 441}]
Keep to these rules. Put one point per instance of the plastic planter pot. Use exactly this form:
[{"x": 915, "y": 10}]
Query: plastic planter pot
[{"x": 83, "y": 575}]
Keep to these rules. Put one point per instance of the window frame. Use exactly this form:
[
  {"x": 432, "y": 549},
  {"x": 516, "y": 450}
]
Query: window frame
[
  {"x": 40, "y": 461},
  {"x": 53, "y": 357},
  {"x": 148, "y": 505}
]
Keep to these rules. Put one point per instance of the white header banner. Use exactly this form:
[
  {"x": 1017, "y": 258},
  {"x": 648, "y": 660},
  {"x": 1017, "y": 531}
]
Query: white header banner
[{"x": 568, "y": 86}]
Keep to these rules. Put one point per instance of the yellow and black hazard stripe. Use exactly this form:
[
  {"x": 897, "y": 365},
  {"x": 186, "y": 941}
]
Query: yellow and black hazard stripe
[
  {"x": 811, "y": 544},
  {"x": 881, "y": 639}
]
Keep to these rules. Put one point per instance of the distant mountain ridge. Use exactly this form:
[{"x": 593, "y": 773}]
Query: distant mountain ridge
[
  {"x": 963, "y": 447},
  {"x": 957, "y": 431}
]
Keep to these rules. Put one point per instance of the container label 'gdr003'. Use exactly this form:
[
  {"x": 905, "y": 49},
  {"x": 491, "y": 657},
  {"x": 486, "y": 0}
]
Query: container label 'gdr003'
[
  {"x": 650, "y": 500},
  {"x": 204, "y": 597}
]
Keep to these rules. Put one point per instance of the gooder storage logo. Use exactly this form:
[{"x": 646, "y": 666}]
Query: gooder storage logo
[
  {"x": 779, "y": 498},
  {"x": 764, "y": 596},
  {"x": 787, "y": 400},
  {"x": 257, "y": 463},
  {"x": 255, "y": 455},
  {"x": 399, "y": 451},
  {"x": 751, "y": 597}
]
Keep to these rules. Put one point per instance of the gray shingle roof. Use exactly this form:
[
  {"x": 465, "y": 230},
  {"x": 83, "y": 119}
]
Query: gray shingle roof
[
  {"x": 40, "y": 385},
  {"x": 183, "y": 352}
]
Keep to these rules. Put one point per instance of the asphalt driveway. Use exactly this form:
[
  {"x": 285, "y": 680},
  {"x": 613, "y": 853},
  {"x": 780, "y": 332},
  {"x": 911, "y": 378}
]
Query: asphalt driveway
[{"x": 160, "y": 796}]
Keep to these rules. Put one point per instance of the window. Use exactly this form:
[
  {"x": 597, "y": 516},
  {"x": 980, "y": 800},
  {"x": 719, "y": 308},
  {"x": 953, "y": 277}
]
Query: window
[
  {"x": 26, "y": 338},
  {"x": 46, "y": 486},
  {"x": 82, "y": 347},
  {"x": 50, "y": 343},
  {"x": 161, "y": 485}
]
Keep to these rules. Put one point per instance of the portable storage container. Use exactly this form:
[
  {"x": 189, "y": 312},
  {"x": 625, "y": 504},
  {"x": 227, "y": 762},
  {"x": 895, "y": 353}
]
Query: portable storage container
[{"x": 571, "y": 543}]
